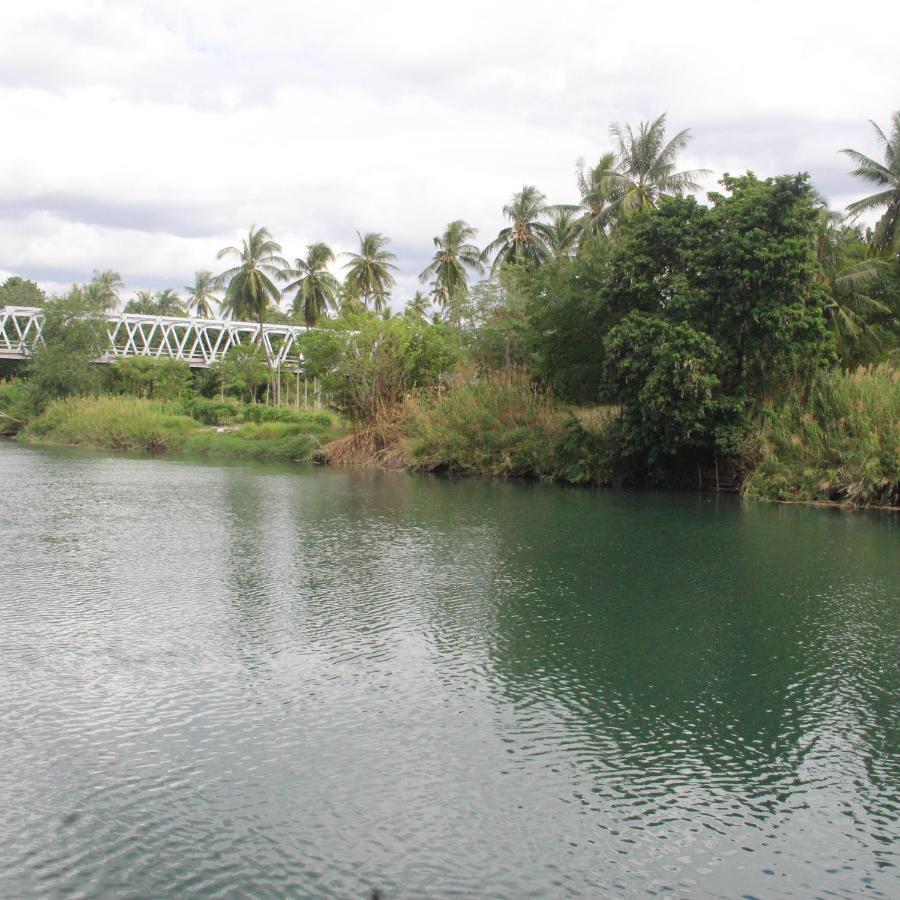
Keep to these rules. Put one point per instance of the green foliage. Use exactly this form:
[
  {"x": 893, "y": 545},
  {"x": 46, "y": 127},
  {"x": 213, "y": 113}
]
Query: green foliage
[
  {"x": 272, "y": 441},
  {"x": 306, "y": 419},
  {"x": 664, "y": 374},
  {"x": 243, "y": 371},
  {"x": 503, "y": 425},
  {"x": 115, "y": 423},
  {"x": 368, "y": 370},
  {"x": 568, "y": 317},
  {"x": 886, "y": 177},
  {"x": 18, "y": 404},
  {"x": 129, "y": 423},
  {"x": 719, "y": 307},
  {"x": 527, "y": 239},
  {"x": 502, "y": 336},
  {"x": 211, "y": 412},
  {"x": 369, "y": 271},
  {"x": 837, "y": 440},
  {"x": 150, "y": 378},
  {"x": 17, "y": 291},
  {"x": 250, "y": 285},
  {"x": 74, "y": 337},
  {"x": 317, "y": 289},
  {"x": 449, "y": 268}
]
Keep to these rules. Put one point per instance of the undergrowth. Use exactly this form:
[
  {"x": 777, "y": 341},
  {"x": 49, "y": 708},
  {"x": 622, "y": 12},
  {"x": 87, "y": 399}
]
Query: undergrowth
[{"x": 838, "y": 441}]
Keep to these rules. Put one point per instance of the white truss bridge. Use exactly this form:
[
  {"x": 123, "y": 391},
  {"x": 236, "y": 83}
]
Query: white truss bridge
[{"x": 198, "y": 342}]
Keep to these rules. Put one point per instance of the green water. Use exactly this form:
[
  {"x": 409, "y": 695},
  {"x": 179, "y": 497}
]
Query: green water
[{"x": 250, "y": 681}]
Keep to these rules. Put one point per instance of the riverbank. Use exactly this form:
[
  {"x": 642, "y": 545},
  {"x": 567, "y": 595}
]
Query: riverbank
[
  {"x": 835, "y": 444},
  {"x": 195, "y": 427}
]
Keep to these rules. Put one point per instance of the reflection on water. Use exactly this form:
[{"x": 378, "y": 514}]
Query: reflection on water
[{"x": 255, "y": 681}]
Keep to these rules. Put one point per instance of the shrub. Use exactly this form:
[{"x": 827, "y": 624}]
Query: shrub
[
  {"x": 151, "y": 378},
  {"x": 18, "y": 404},
  {"x": 211, "y": 412},
  {"x": 313, "y": 421}
]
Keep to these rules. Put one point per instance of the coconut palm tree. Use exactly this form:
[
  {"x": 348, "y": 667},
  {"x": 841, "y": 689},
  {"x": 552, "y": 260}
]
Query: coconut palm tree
[
  {"x": 250, "y": 285},
  {"x": 566, "y": 231},
  {"x": 317, "y": 289},
  {"x": 850, "y": 309},
  {"x": 142, "y": 302},
  {"x": 418, "y": 307},
  {"x": 168, "y": 303},
  {"x": 645, "y": 167},
  {"x": 201, "y": 296},
  {"x": 597, "y": 187},
  {"x": 527, "y": 239},
  {"x": 106, "y": 286},
  {"x": 369, "y": 271},
  {"x": 453, "y": 256},
  {"x": 886, "y": 177}
]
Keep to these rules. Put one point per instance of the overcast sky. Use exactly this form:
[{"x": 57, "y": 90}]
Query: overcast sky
[{"x": 145, "y": 136}]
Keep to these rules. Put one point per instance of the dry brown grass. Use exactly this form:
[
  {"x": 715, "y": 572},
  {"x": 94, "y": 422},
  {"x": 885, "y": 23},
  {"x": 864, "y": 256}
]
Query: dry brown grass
[{"x": 379, "y": 443}]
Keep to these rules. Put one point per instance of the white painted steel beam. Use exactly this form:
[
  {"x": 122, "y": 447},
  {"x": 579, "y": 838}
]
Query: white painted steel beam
[{"x": 198, "y": 342}]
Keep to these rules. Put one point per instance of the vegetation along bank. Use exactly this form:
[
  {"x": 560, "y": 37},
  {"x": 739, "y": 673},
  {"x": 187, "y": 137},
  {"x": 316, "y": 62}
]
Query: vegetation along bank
[{"x": 633, "y": 336}]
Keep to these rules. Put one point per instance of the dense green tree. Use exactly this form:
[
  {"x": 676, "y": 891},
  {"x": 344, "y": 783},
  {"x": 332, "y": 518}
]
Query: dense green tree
[
  {"x": 201, "y": 294},
  {"x": 250, "y": 285},
  {"x": 886, "y": 177},
  {"x": 454, "y": 257},
  {"x": 645, "y": 168},
  {"x": 665, "y": 376},
  {"x": 369, "y": 276},
  {"x": 74, "y": 337},
  {"x": 151, "y": 378},
  {"x": 106, "y": 286},
  {"x": 243, "y": 371},
  {"x": 369, "y": 368},
  {"x": 16, "y": 291},
  {"x": 729, "y": 294},
  {"x": 527, "y": 239},
  {"x": 568, "y": 315},
  {"x": 317, "y": 289}
]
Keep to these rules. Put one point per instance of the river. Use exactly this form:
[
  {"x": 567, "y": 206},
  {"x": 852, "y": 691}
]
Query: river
[{"x": 230, "y": 681}]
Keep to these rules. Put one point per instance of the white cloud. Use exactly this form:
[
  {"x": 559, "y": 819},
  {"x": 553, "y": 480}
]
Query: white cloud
[{"x": 148, "y": 135}]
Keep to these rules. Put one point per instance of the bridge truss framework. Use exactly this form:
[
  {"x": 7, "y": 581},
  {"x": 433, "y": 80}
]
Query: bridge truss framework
[{"x": 198, "y": 342}]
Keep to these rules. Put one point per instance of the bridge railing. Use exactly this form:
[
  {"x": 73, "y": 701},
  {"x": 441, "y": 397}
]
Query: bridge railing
[{"x": 198, "y": 342}]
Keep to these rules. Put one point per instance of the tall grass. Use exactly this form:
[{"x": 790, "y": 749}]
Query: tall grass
[
  {"x": 501, "y": 424},
  {"x": 837, "y": 441},
  {"x": 128, "y": 423},
  {"x": 115, "y": 423}
]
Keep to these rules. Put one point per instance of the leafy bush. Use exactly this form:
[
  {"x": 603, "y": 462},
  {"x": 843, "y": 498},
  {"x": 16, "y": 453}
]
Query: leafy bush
[
  {"x": 211, "y": 412},
  {"x": 151, "y": 378},
  {"x": 370, "y": 369},
  {"x": 839, "y": 440},
  {"x": 74, "y": 338},
  {"x": 308, "y": 419},
  {"x": 18, "y": 404}
]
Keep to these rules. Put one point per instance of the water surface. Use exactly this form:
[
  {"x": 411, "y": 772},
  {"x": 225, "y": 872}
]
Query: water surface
[{"x": 258, "y": 681}]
